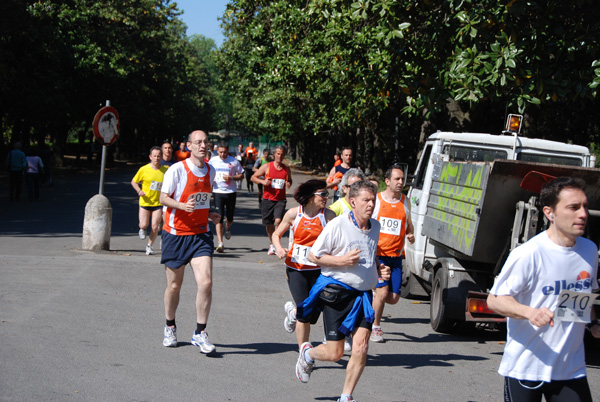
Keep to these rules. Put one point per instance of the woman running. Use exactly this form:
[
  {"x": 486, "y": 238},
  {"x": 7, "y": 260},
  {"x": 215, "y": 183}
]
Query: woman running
[{"x": 307, "y": 222}]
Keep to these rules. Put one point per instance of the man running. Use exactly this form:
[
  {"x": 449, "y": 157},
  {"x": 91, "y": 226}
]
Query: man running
[
  {"x": 227, "y": 172},
  {"x": 147, "y": 183},
  {"x": 337, "y": 172},
  {"x": 544, "y": 354},
  {"x": 342, "y": 205},
  {"x": 167, "y": 154},
  {"x": 277, "y": 178},
  {"x": 345, "y": 250},
  {"x": 392, "y": 210},
  {"x": 186, "y": 194}
]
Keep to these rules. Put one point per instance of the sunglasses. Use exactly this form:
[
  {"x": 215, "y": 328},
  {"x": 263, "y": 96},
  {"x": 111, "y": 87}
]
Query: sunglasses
[{"x": 323, "y": 194}]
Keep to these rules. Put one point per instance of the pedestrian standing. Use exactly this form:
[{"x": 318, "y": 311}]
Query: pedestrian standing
[
  {"x": 16, "y": 163},
  {"x": 33, "y": 175}
]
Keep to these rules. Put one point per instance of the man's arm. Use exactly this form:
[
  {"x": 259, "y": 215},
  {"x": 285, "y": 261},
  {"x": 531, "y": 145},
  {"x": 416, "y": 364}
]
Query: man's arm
[
  {"x": 137, "y": 188},
  {"x": 169, "y": 202},
  {"x": 260, "y": 172},
  {"x": 326, "y": 260},
  {"x": 410, "y": 230},
  {"x": 509, "y": 307}
]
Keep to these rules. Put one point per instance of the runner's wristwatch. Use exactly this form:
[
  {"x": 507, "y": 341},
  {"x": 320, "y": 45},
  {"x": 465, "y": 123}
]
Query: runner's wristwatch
[{"x": 594, "y": 322}]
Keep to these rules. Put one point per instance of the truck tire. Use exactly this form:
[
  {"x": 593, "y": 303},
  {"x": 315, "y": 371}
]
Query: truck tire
[
  {"x": 408, "y": 283},
  {"x": 437, "y": 309}
]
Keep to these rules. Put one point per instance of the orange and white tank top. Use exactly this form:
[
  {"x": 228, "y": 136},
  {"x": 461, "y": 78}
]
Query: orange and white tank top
[
  {"x": 185, "y": 184},
  {"x": 393, "y": 217},
  {"x": 306, "y": 230}
]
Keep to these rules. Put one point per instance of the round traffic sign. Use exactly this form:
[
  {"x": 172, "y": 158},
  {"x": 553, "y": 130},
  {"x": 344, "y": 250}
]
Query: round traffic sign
[{"x": 106, "y": 125}]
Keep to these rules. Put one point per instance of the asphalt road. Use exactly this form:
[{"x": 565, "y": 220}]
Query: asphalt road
[{"x": 85, "y": 326}]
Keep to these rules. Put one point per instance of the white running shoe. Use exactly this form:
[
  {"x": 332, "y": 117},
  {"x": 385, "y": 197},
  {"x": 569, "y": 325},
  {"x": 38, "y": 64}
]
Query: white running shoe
[
  {"x": 201, "y": 340},
  {"x": 272, "y": 250},
  {"x": 142, "y": 234},
  {"x": 228, "y": 234},
  {"x": 149, "y": 250},
  {"x": 377, "y": 335},
  {"x": 220, "y": 248},
  {"x": 170, "y": 337},
  {"x": 289, "y": 323},
  {"x": 303, "y": 369},
  {"x": 347, "y": 400},
  {"x": 348, "y": 344}
]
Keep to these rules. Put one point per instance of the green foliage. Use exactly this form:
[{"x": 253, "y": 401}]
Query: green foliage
[
  {"x": 323, "y": 70},
  {"x": 65, "y": 58}
]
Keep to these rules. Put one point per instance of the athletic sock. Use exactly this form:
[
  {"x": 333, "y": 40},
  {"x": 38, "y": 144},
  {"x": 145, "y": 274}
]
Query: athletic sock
[
  {"x": 170, "y": 323},
  {"x": 345, "y": 398},
  {"x": 307, "y": 357},
  {"x": 376, "y": 327},
  {"x": 200, "y": 327}
]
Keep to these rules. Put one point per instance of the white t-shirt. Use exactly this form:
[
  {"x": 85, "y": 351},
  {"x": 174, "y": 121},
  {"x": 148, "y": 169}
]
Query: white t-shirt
[
  {"x": 535, "y": 274},
  {"x": 340, "y": 236},
  {"x": 230, "y": 166}
]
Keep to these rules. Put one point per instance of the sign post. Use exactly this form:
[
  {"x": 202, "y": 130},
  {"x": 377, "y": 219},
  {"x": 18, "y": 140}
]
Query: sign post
[
  {"x": 97, "y": 222},
  {"x": 106, "y": 131}
]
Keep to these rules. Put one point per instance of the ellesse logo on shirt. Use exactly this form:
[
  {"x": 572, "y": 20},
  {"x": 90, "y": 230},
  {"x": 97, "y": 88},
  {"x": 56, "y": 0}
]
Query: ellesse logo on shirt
[{"x": 583, "y": 282}]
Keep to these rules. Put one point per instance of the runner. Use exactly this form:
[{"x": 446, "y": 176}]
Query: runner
[
  {"x": 147, "y": 183},
  {"x": 186, "y": 195},
  {"x": 544, "y": 354},
  {"x": 228, "y": 171},
  {"x": 342, "y": 205},
  {"x": 392, "y": 210},
  {"x": 277, "y": 178},
  {"x": 307, "y": 221},
  {"x": 345, "y": 250}
]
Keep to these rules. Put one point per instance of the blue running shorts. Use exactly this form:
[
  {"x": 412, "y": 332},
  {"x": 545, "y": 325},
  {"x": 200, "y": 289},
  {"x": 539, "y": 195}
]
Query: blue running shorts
[{"x": 177, "y": 251}]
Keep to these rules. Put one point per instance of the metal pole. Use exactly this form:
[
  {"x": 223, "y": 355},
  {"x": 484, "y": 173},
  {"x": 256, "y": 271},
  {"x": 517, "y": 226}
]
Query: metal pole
[{"x": 103, "y": 164}]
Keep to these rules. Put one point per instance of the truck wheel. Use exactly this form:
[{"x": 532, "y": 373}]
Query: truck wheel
[
  {"x": 437, "y": 308},
  {"x": 408, "y": 283}
]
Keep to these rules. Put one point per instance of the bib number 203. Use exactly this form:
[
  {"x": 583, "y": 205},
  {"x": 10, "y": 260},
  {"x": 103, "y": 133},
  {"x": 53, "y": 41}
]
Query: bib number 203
[{"x": 202, "y": 200}]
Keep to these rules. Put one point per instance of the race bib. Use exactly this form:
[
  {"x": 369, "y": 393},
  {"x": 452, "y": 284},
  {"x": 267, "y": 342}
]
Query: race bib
[
  {"x": 574, "y": 306},
  {"x": 202, "y": 200},
  {"x": 300, "y": 255},
  {"x": 390, "y": 226},
  {"x": 278, "y": 183},
  {"x": 220, "y": 176},
  {"x": 156, "y": 185}
]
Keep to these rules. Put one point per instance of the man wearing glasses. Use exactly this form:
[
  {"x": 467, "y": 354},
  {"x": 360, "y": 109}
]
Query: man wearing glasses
[{"x": 186, "y": 193}]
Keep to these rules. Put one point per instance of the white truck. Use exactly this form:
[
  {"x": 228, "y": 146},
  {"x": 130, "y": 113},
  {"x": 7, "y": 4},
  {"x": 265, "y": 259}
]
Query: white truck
[{"x": 469, "y": 209}]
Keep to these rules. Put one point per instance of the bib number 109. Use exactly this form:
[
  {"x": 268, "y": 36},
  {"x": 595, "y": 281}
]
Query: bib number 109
[{"x": 390, "y": 226}]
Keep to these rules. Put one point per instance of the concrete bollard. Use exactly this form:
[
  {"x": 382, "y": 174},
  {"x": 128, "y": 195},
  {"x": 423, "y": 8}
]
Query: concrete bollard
[{"x": 97, "y": 224}]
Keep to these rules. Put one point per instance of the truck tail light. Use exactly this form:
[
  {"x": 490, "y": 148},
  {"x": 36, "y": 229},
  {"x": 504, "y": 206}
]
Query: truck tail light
[{"x": 479, "y": 306}]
